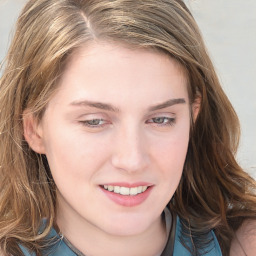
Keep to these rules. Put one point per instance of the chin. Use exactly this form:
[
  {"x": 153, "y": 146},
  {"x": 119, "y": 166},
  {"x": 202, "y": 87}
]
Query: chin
[
  {"x": 125, "y": 231},
  {"x": 127, "y": 226}
]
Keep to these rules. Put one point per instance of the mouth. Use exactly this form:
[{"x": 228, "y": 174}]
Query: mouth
[
  {"x": 127, "y": 194},
  {"x": 125, "y": 191}
]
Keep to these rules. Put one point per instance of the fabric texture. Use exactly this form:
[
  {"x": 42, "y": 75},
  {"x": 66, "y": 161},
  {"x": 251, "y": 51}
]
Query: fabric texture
[
  {"x": 213, "y": 248},
  {"x": 60, "y": 248}
]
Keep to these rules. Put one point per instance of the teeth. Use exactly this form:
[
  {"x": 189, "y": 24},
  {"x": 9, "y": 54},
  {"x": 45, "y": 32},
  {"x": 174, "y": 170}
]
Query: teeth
[
  {"x": 117, "y": 189},
  {"x": 126, "y": 191},
  {"x": 134, "y": 191},
  {"x": 144, "y": 188},
  {"x": 109, "y": 188}
]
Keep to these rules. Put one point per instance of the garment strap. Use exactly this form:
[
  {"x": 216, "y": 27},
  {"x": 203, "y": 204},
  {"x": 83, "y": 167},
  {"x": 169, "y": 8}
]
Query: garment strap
[
  {"x": 72, "y": 247},
  {"x": 168, "y": 250}
]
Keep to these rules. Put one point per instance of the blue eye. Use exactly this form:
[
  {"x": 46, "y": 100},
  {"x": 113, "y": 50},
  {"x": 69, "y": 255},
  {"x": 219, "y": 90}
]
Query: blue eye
[
  {"x": 93, "y": 122},
  {"x": 162, "y": 121}
]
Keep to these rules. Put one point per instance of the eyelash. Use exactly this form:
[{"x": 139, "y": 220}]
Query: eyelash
[
  {"x": 159, "y": 121},
  {"x": 89, "y": 123},
  {"x": 164, "y": 121}
]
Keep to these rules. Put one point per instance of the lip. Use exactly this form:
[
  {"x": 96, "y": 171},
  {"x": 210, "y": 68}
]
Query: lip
[{"x": 128, "y": 200}]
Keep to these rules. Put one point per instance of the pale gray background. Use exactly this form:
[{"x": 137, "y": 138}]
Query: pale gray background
[{"x": 229, "y": 29}]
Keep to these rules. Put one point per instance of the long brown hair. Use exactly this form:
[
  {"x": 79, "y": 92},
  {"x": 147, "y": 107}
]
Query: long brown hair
[{"x": 214, "y": 192}]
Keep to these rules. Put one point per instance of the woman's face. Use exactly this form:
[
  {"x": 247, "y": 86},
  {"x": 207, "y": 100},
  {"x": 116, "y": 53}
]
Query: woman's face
[{"x": 116, "y": 135}]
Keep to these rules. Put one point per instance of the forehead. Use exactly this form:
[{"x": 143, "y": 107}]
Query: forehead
[
  {"x": 100, "y": 50},
  {"x": 106, "y": 71}
]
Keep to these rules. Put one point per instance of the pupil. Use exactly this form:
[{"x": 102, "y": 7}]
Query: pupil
[
  {"x": 159, "y": 119},
  {"x": 95, "y": 121}
]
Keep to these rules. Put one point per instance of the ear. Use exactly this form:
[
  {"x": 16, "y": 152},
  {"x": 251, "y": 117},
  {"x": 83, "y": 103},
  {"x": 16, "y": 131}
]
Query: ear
[
  {"x": 196, "y": 108},
  {"x": 32, "y": 129}
]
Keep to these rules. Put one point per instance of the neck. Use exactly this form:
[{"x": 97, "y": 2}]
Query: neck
[{"x": 91, "y": 240}]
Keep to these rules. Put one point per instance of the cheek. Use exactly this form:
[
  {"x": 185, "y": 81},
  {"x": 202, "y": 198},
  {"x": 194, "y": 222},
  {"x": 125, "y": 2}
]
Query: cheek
[
  {"x": 73, "y": 156},
  {"x": 171, "y": 152}
]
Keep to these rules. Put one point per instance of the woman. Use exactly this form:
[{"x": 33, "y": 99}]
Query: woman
[{"x": 116, "y": 137}]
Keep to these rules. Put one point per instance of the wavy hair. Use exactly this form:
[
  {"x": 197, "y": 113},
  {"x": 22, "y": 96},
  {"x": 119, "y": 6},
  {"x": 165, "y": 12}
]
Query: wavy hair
[{"x": 213, "y": 193}]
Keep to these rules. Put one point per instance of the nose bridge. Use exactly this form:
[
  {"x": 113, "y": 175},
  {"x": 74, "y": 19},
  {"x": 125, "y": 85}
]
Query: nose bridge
[{"x": 130, "y": 152}]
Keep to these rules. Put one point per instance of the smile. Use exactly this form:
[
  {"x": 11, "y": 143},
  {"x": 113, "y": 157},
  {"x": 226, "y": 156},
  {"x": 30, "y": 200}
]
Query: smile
[{"x": 125, "y": 191}]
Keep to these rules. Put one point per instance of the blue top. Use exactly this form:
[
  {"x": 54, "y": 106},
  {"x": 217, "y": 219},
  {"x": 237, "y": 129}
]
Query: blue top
[
  {"x": 212, "y": 249},
  {"x": 62, "y": 249}
]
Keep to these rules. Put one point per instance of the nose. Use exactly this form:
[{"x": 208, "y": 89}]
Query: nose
[{"x": 130, "y": 152}]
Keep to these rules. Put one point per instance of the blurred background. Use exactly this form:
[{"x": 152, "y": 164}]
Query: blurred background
[{"x": 229, "y": 30}]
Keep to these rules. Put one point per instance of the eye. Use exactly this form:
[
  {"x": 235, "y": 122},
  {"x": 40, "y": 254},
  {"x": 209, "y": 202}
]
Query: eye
[
  {"x": 162, "y": 121},
  {"x": 97, "y": 122}
]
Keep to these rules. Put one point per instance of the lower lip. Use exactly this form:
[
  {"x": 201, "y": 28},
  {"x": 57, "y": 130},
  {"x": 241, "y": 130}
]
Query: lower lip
[{"x": 128, "y": 201}]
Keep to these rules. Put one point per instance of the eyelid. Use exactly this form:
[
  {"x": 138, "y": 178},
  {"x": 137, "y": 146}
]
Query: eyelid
[
  {"x": 92, "y": 115},
  {"x": 169, "y": 117},
  {"x": 166, "y": 121},
  {"x": 162, "y": 114},
  {"x": 87, "y": 123},
  {"x": 102, "y": 118}
]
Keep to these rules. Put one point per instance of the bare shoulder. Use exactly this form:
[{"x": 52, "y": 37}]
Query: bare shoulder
[{"x": 245, "y": 241}]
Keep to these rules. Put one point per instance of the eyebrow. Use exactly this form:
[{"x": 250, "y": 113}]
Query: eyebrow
[
  {"x": 93, "y": 104},
  {"x": 168, "y": 103},
  {"x": 109, "y": 107}
]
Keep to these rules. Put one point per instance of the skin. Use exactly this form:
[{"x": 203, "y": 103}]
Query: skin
[
  {"x": 131, "y": 141},
  {"x": 244, "y": 242}
]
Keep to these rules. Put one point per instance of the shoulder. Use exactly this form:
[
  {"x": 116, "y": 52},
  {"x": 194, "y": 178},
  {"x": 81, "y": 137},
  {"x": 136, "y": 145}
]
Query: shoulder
[
  {"x": 244, "y": 242},
  {"x": 24, "y": 251},
  {"x": 212, "y": 248},
  {"x": 54, "y": 246}
]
